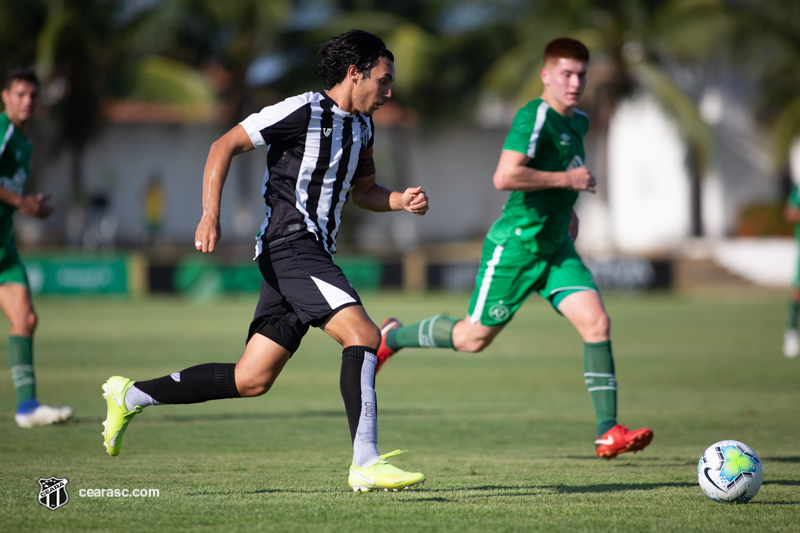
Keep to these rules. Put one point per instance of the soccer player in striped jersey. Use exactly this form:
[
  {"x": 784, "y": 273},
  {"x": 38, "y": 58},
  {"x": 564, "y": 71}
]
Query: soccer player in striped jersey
[
  {"x": 20, "y": 95},
  {"x": 319, "y": 152},
  {"x": 529, "y": 249}
]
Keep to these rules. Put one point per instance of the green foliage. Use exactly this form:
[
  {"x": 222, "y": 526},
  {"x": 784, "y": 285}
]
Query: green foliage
[{"x": 504, "y": 437}]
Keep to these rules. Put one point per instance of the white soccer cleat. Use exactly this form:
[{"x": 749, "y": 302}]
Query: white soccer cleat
[
  {"x": 44, "y": 415},
  {"x": 791, "y": 343}
]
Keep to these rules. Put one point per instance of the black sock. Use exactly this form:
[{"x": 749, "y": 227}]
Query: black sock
[
  {"x": 212, "y": 381},
  {"x": 357, "y": 384}
]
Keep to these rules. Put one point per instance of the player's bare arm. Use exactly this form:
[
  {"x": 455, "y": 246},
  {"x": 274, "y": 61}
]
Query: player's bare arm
[
  {"x": 369, "y": 195},
  {"x": 512, "y": 174},
  {"x": 222, "y": 151},
  {"x": 573, "y": 226},
  {"x": 31, "y": 205},
  {"x": 791, "y": 215}
]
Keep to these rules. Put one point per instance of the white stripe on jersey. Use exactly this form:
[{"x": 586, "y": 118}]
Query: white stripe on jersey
[
  {"x": 351, "y": 170},
  {"x": 541, "y": 115},
  {"x": 9, "y": 133},
  {"x": 309, "y": 164}
]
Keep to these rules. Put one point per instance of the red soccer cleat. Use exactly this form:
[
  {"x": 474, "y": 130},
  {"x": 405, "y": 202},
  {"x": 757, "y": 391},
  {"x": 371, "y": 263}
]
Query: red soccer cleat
[
  {"x": 619, "y": 440},
  {"x": 384, "y": 352}
]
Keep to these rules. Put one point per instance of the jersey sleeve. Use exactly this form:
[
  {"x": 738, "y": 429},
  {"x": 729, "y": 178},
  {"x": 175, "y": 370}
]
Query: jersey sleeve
[
  {"x": 285, "y": 121},
  {"x": 370, "y": 127},
  {"x": 6, "y": 131},
  {"x": 526, "y": 128},
  {"x": 793, "y": 200}
]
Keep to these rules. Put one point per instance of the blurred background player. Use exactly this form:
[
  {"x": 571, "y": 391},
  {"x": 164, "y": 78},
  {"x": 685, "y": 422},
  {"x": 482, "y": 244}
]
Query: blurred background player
[
  {"x": 319, "y": 151},
  {"x": 530, "y": 248},
  {"x": 20, "y": 94},
  {"x": 791, "y": 343}
]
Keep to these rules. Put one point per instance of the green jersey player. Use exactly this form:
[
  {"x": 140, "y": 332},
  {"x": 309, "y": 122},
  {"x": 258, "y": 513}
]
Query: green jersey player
[
  {"x": 529, "y": 249},
  {"x": 20, "y": 93},
  {"x": 791, "y": 343}
]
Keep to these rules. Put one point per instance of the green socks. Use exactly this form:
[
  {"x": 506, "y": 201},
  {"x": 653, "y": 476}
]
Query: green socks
[
  {"x": 20, "y": 358},
  {"x": 598, "y": 371},
  {"x": 433, "y": 332},
  {"x": 794, "y": 310}
]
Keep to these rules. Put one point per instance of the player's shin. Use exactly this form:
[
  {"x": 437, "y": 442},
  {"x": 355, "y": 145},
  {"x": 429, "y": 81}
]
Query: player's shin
[
  {"x": 432, "y": 332},
  {"x": 357, "y": 384},
  {"x": 598, "y": 367},
  {"x": 212, "y": 381}
]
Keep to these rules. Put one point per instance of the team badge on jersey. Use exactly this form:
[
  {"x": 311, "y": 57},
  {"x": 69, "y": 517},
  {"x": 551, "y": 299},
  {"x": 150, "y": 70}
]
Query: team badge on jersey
[
  {"x": 364, "y": 136},
  {"x": 53, "y": 492}
]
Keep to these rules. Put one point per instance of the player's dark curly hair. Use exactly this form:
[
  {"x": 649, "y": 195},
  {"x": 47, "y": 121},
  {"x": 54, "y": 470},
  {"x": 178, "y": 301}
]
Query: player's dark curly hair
[
  {"x": 355, "y": 47},
  {"x": 25, "y": 74}
]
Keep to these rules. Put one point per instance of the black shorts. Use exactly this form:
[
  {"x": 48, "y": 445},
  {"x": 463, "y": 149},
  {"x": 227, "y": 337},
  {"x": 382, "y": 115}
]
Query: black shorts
[{"x": 302, "y": 287}]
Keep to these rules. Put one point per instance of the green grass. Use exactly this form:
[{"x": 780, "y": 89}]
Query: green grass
[{"x": 504, "y": 437}]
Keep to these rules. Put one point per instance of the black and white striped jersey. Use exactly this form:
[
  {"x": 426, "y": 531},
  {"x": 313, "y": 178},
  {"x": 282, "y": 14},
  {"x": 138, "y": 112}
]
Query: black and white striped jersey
[{"x": 313, "y": 149}]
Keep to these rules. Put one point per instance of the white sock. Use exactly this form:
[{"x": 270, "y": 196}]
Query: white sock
[
  {"x": 365, "y": 445},
  {"x": 135, "y": 397}
]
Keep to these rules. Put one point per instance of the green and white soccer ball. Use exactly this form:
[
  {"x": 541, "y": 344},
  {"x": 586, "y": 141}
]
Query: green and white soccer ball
[{"x": 730, "y": 471}]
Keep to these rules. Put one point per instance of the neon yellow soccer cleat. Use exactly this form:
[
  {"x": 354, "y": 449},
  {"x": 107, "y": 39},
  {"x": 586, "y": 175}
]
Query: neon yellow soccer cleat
[
  {"x": 383, "y": 476},
  {"x": 119, "y": 416}
]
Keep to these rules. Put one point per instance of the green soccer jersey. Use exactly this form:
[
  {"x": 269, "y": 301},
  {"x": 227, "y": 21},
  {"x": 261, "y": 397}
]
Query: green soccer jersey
[
  {"x": 15, "y": 159},
  {"x": 794, "y": 202},
  {"x": 554, "y": 143}
]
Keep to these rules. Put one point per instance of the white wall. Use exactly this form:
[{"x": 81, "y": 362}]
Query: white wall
[{"x": 648, "y": 184}]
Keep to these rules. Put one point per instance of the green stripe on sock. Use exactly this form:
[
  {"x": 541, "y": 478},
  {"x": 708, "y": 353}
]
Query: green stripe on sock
[
  {"x": 598, "y": 368},
  {"x": 794, "y": 310},
  {"x": 20, "y": 358}
]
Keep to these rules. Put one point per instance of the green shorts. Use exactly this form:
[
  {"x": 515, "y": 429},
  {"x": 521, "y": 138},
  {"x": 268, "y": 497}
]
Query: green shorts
[
  {"x": 796, "y": 282},
  {"x": 11, "y": 268},
  {"x": 509, "y": 273}
]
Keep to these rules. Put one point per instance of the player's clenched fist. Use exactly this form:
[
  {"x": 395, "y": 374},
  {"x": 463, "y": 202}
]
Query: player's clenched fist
[{"x": 415, "y": 201}]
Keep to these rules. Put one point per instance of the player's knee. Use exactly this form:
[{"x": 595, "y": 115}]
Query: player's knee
[
  {"x": 474, "y": 345},
  {"x": 597, "y": 328},
  {"x": 371, "y": 337},
  {"x": 24, "y": 324},
  {"x": 253, "y": 386}
]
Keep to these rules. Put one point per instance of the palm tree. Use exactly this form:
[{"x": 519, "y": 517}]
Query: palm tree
[{"x": 761, "y": 37}]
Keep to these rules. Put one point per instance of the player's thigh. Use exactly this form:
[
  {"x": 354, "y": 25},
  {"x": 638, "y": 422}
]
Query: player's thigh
[
  {"x": 351, "y": 326},
  {"x": 507, "y": 275},
  {"x": 584, "y": 309},
  {"x": 15, "y": 295}
]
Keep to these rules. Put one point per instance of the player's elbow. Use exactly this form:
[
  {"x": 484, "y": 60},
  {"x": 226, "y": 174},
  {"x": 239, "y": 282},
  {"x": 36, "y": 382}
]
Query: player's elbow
[{"x": 501, "y": 181}]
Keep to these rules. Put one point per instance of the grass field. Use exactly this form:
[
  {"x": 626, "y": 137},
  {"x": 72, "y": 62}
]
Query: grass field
[{"x": 504, "y": 437}]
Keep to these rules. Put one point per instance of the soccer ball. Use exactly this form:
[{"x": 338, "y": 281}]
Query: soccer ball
[{"x": 729, "y": 471}]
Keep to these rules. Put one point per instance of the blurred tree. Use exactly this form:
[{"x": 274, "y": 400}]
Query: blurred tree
[
  {"x": 75, "y": 52},
  {"x": 20, "y": 21},
  {"x": 761, "y": 37}
]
